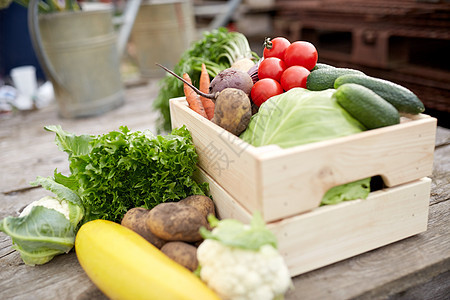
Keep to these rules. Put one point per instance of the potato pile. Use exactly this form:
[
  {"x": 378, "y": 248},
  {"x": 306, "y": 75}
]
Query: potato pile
[{"x": 173, "y": 227}]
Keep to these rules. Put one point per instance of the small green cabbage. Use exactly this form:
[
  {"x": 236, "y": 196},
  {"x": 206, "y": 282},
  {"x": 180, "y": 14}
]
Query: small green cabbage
[
  {"x": 299, "y": 117},
  {"x": 46, "y": 227}
]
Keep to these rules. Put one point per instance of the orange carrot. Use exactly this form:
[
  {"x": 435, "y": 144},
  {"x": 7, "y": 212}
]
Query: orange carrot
[
  {"x": 204, "y": 87},
  {"x": 192, "y": 98}
]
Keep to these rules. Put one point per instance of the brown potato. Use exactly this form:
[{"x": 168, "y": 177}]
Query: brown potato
[
  {"x": 136, "y": 220},
  {"x": 202, "y": 203},
  {"x": 183, "y": 253},
  {"x": 232, "y": 111},
  {"x": 172, "y": 221}
]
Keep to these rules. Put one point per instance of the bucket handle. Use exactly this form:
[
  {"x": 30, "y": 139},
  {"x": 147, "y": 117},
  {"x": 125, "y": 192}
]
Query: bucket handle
[
  {"x": 127, "y": 21},
  {"x": 35, "y": 34}
]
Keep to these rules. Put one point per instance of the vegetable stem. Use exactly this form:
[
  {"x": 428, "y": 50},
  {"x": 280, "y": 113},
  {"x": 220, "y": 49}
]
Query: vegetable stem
[{"x": 209, "y": 96}]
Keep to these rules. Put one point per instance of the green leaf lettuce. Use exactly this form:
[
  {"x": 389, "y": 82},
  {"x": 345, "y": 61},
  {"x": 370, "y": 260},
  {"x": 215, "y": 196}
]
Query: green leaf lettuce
[{"x": 120, "y": 170}]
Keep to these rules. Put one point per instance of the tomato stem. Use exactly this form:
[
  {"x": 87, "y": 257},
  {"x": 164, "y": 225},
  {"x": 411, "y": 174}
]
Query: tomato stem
[{"x": 268, "y": 43}]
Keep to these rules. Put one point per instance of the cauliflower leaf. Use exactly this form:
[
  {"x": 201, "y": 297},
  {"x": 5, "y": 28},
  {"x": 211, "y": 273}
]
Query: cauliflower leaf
[{"x": 233, "y": 233}]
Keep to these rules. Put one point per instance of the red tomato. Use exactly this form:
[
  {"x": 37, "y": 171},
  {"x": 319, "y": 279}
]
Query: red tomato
[
  {"x": 275, "y": 47},
  {"x": 263, "y": 89},
  {"x": 301, "y": 53},
  {"x": 294, "y": 76},
  {"x": 271, "y": 67}
]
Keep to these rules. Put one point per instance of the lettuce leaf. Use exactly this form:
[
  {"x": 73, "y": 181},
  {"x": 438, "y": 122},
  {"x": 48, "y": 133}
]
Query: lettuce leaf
[
  {"x": 359, "y": 189},
  {"x": 299, "y": 117},
  {"x": 120, "y": 170}
]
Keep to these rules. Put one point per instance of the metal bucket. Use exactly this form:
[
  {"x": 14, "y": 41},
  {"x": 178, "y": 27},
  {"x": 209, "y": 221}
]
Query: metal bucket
[
  {"x": 82, "y": 61},
  {"x": 162, "y": 31}
]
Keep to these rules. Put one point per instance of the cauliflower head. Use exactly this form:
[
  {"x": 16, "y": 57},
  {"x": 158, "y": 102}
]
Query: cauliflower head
[
  {"x": 240, "y": 261},
  {"x": 238, "y": 274},
  {"x": 48, "y": 202}
]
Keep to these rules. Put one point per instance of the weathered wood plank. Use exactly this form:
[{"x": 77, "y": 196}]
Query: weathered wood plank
[
  {"x": 438, "y": 288},
  {"x": 13, "y": 203},
  {"x": 384, "y": 271},
  {"x": 442, "y": 136},
  {"x": 387, "y": 270},
  {"x": 62, "y": 278},
  {"x": 27, "y": 150},
  {"x": 440, "y": 185}
]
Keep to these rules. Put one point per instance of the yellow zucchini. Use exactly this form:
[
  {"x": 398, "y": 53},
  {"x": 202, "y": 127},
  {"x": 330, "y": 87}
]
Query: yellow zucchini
[{"x": 123, "y": 265}]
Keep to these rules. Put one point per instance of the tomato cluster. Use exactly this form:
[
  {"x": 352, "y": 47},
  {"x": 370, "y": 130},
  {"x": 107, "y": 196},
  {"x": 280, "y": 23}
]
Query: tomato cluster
[{"x": 285, "y": 65}]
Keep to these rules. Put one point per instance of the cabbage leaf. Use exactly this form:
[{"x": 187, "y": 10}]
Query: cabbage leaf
[{"x": 299, "y": 117}]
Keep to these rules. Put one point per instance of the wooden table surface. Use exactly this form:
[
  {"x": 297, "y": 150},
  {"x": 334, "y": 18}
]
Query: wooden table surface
[{"x": 414, "y": 268}]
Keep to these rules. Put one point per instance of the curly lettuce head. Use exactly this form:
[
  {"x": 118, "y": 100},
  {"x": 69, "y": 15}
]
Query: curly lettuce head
[{"x": 119, "y": 170}]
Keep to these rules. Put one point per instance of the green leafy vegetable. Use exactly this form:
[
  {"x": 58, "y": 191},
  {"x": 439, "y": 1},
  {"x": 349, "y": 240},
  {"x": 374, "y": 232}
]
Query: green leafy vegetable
[
  {"x": 40, "y": 235},
  {"x": 218, "y": 49},
  {"x": 355, "y": 190},
  {"x": 233, "y": 233},
  {"x": 41, "y": 231},
  {"x": 299, "y": 117},
  {"x": 121, "y": 169}
]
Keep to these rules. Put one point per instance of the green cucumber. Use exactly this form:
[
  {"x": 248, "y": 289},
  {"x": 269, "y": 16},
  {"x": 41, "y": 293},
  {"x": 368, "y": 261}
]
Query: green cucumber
[
  {"x": 366, "y": 106},
  {"x": 321, "y": 66},
  {"x": 403, "y": 99},
  {"x": 323, "y": 78}
]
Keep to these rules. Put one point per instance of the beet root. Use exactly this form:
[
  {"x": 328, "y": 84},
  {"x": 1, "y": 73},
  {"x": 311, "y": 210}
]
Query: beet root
[{"x": 231, "y": 78}]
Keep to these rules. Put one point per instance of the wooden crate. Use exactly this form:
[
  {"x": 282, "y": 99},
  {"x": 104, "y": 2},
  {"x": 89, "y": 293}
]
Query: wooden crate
[
  {"x": 332, "y": 233},
  {"x": 285, "y": 182}
]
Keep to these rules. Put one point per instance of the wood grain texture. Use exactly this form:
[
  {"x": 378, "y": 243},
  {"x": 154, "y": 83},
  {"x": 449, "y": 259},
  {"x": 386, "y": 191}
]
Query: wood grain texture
[
  {"x": 346, "y": 229},
  {"x": 254, "y": 177},
  {"x": 385, "y": 271},
  {"x": 416, "y": 266}
]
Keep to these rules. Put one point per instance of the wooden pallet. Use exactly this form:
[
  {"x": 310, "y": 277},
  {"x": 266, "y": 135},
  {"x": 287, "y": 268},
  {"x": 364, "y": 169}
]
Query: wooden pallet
[{"x": 408, "y": 39}]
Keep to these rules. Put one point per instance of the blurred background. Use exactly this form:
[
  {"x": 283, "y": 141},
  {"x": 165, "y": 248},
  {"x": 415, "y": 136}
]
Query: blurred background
[{"x": 404, "y": 41}]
